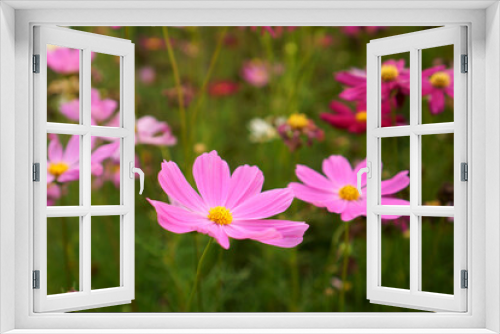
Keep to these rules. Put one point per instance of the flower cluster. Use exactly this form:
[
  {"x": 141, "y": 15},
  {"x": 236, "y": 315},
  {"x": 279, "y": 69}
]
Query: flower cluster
[{"x": 297, "y": 128}]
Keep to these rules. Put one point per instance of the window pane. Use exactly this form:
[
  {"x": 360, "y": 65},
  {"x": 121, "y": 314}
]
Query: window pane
[
  {"x": 437, "y": 254},
  {"x": 437, "y": 84},
  {"x": 105, "y": 98},
  {"x": 63, "y": 84},
  {"x": 395, "y": 262},
  {"x": 105, "y": 171},
  {"x": 63, "y": 169},
  {"x": 395, "y": 90},
  {"x": 437, "y": 169},
  {"x": 105, "y": 252},
  {"x": 63, "y": 254},
  {"x": 395, "y": 188}
]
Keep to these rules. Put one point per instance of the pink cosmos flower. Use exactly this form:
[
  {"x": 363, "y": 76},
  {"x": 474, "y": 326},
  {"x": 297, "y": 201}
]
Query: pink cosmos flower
[
  {"x": 53, "y": 193},
  {"x": 101, "y": 110},
  {"x": 342, "y": 117},
  {"x": 227, "y": 206},
  {"x": 64, "y": 60},
  {"x": 63, "y": 165},
  {"x": 355, "y": 31},
  {"x": 150, "y": 131},
  {"x": 337, "y": 190},
  {"x": 437, "y": 82},
  {"x": 147, "y": 75},
  {"x": 395, "y": 77},
  {"x": 256, "y": 73},
  {"x": 297, "y": 128}
]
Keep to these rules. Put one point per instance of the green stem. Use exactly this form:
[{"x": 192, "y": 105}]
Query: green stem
[
  {"x": 198, "y": 274},
  {"x": 204, "y": 85},
  {"x": 344, "y": 268},
  {"x": 180, "y": 94}
]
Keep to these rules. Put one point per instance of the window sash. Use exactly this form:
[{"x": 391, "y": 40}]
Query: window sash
[{"x": 413, "y": 43}]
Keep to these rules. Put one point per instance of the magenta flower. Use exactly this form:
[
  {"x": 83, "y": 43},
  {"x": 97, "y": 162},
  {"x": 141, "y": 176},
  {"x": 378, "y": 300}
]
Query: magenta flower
[
  {"x": 63, "y": 165},
  {"x": 256, "y": 73},
  {"x": 342, "y": 117},
  {"x": 150, "y": 131},
  {"x": 436, "y": 83},
  {"x": 147, "y": 75},
  {"x": 230, "y": 206},
  {"x": 101, "y": 110},
  {"x": 64, "y": 60},
  {"x": 337, "y": 190},
  {"x": 395, "y": 78}
]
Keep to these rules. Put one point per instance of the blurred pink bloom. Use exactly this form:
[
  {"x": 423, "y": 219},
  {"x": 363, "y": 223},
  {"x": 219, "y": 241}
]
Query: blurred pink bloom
[
  {"x": 188, "y": 93},
  {"x": 436, "y": 83},
  {"x": 395, "y": 78},
  {"x": 230, "y": 206},
  {"x": 256, "y": 73},
  {"x": 101, "y": 110},
  {"x": 63, "y": 165},
  {"x": 115, "y": 27},
  {"x": 337, "y": 190},
  {"x": 102, "y": 153},
  {"x": 151, "y": 131},
  {"x": 295, "y": 128},
  {"x": 147, "y": 75},
  {"x": 64, "y": 60},
  {"x": 342, "y": 117},
  {"x": 53, "y": 193},
  {"x": 222, "y": 88},
  {"x": 273, "y": 31},
  {"x": 355, "y": 31}
]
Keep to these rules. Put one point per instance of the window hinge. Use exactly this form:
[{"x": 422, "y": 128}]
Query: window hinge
[
  {"x": 464, "y": 171},
  {"x": 465, "y": 64},
  {"x": 464, "y": 279},
  {"x": 36, "y": 279},
  {"x": 36, "y": 63},
  {"x": 36, "y": 172}
]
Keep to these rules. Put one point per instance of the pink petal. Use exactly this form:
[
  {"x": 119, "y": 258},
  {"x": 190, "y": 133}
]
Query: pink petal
[
  {"x": 69, "y": 175},
  {"x": 340, "y": 108},
  {"x": 354, "y": 93},
  {"x": 175, "y": 185},
  {"x": 395, "y": 184},
  {"x": 245, "y": 183},
  {"x": 336, "y": 205},
  {"x": 393, "y": 201},
  {"x": 212, "y": 177},
  {"x": 177, "y": 220},
  {"x": 218, "y": 232},
  {"x": 264, "y": 205},
  {"x": 339, "y": 171},
  {"x": 312, "y": 178},
  {"x": 72, "y": 152},
  {"x": 350, "y": 78},
  {"x": 105, "y": 151},
  {"x": 50, "y": 177},
  {"x": 55, "y": 151},
  {"x": 339, "y": 121},
  {"x": 430, "y": 71},
  {"x": 353, "y": 210},
  {"x": 71, "y": 109},
  {"x": 281, "y": 233},
  {"x": 436, "y": 101},
  {"x": 316, "y": 197}
]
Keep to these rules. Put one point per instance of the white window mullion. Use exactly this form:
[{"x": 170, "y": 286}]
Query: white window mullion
[{"x": 415, "y": 174}]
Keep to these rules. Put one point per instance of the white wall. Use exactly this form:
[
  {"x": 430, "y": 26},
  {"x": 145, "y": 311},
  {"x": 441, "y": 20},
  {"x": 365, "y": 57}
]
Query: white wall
[{"x": 7, "y": 160}]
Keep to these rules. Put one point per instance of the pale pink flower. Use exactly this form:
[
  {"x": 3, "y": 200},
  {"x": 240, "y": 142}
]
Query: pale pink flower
[
  {"x": 101, "y": 110},
  {"x": 150, "y": 131},
  {"x": 437, "y": 82},
  {"x": 64, "y": 60},
  {"x": 256, "y": 73},
  {"x": 230, "y": 206},
  {"x": 63, "y": 165},
  {"x": 147, "y": 75},
  {"x": 337, "y": 190},
  {"x": 53, "y": 193}
]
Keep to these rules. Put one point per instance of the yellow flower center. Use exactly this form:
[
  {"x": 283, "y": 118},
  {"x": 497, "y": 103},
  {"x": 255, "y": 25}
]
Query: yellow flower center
[
  {"x": 298, "y": 121},
  {"x": 389, "y": 72},
  {"x": 440, "y": 80},
  {"x": 57, "y": 169},
  {"x": 349, "y": 193},
  {"x": 220, "y": 215},
  {"x": 361, "y": 116}
]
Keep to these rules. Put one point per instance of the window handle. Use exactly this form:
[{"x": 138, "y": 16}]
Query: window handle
[
  {"x": 139, "y": 171},
  {"x": 368, "y": 171}
]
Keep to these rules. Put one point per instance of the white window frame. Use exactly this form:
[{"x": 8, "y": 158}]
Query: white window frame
[
  {"x": 483, "y": 21},
  {"x": 86, "y": 43},
  {"x": 413, "y": 44}
]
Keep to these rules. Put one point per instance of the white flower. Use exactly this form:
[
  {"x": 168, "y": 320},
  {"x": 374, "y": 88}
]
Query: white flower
[{"x": 261, "y": 130}]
